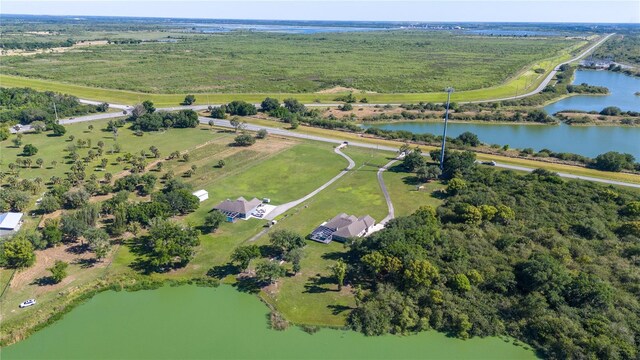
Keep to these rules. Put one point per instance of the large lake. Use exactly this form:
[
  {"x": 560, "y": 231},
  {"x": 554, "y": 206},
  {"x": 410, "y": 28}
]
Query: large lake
[
  {"x": 622, "y": 89},
  {"x": 584, "y": 140},
  {"x": 189, "y": 322}
]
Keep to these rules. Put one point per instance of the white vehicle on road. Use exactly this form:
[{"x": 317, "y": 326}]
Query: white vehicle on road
[{"x": 27, "y": 303}]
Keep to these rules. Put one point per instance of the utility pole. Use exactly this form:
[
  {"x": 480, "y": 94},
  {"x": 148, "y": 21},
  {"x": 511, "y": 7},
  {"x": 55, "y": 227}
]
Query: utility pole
[
  {"x": 55, "y": 110},
  {"x": 449, "y": 90}
]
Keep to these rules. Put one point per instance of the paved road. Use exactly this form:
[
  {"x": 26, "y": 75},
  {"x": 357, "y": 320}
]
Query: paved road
[
  {"x": 387, "y": 198},
  {"x": 250, "y": 127},
  {"x": 549, "y": 77},
  {"x": 281, "y": 209}
]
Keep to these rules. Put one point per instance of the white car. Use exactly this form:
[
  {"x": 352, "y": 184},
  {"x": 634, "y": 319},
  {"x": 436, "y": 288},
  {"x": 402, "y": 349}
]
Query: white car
[{"x": 27, "y": 303}]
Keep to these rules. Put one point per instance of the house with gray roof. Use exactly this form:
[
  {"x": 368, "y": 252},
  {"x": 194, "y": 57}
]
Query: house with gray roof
[
  {"x": 238, "y": 209},
  {"x": 343, "y": 227}
]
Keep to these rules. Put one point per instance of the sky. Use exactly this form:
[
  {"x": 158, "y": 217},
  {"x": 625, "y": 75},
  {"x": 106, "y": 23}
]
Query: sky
[{"x": 587, "y": 11}]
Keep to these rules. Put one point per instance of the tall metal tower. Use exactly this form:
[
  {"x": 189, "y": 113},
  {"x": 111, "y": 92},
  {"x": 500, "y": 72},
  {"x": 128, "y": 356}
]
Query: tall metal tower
[{"x": 449, "y": 90}]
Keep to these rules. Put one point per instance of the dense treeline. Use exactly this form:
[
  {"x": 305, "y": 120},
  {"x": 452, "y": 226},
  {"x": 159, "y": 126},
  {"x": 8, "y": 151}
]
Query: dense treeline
[
  {"x": 550, "y": 262},
  {"x": 25, "y": 105},
  {"x": 13, "y": 43},
  {"x": 623, "y": 48}
]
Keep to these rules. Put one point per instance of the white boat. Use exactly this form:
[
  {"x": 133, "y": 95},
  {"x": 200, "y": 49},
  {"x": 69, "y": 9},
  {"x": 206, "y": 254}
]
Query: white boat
[{"x": 27, "y": 303}]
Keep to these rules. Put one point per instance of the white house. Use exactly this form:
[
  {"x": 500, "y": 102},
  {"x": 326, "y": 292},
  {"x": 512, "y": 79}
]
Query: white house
[
  {"x": 10, "y": 222},
  {"x": 202, "y": 195}
]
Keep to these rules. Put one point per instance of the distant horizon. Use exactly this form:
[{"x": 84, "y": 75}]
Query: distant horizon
[
  {"x": 424, "y": 11},
  {"x": 321, "y": 20}
]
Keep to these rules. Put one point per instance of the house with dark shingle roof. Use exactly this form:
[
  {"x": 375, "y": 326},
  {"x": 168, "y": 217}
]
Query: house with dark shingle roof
[
  {"x": 238, "y": 209},
  {"x": 343, "y": 227}
]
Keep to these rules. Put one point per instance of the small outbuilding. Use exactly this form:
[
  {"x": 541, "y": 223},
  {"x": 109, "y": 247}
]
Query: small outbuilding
[
  {"x": 202, "y": 195},
  {"x": 10, "y": 222}
]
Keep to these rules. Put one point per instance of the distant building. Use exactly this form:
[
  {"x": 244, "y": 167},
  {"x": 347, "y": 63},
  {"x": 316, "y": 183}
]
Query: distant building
[
  {"x": 343, "y": 227},
  {"x": 10, "y": 222},
  {"x": 238, "y": 209},
  {"x": 202, "y": 195}
]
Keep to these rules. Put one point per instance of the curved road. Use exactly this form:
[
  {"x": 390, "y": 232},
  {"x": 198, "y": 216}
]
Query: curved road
[
  {"x": 281, "y": 209},
  {"x": 387, "y": 198}
]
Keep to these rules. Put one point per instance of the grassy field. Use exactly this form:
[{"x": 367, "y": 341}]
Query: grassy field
[{"x": 394, "y": 61}]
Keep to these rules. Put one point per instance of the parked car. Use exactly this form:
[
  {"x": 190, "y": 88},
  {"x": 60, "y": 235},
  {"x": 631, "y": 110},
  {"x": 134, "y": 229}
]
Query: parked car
[
  {"x": 27, "y": 303},
  {"x": 490, "y": 163}
]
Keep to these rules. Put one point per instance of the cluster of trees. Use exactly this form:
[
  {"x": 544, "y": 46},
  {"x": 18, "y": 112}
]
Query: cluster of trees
[
  {"x": 145, "y": 118},
  {"x": 236, "y": 107},
  {"x": 550, "y": 262},
  {"x": 25, "y": 106}
]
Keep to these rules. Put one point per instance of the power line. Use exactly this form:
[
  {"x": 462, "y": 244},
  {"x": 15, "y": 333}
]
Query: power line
[{"x": 449, "y": 90}]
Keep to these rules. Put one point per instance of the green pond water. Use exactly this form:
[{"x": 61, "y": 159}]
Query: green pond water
[{"x": 190, "y": 322}]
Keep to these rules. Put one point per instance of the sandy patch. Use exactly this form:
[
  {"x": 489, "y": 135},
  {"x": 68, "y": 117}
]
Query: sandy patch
[
  {"x": 20, "y": 52},
  {"x": 45, "y": 259},
  {"x": 342, "y": 89}
]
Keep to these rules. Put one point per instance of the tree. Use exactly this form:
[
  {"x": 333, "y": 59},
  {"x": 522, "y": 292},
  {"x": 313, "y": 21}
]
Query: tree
[
  {"x": 148, "y": 106},
  {"x": 430, "y": 172},
  {"x": 58, "y": 130},
  {"x": 18, "y": 253},
  {"x": 50, "y": 203},
  {"x": 39, "y": 162},
  {"x": 613, "y": 161},
  {"x": 455, "y": 162},
  {"x": 468, "y": 138},
  {"x": 455, "y": 185},
  {"x": 632, "y": 209},
  {"x": 73, "y": 199},
  {"x": 189, "y": 99},
  {"x": 98, "y": 241},
  {"x": 17, "y": 141},
  {"x": 244, "y": 140},
  {"x": 58, "y": 271},
  {"x": 214, "y": 219},
  {"x": 38, "y": 126},
  {"x": 221, "y": 163},
  {"x": 286, "y": 240},
  {"x": 414, "y": 160},
  {"x": 295, "y": 258},
  {"x": 339, "y": 271},
  {"x": 219, "y": 112},
  {"x": 460, "y": 282},
  {"x": 262, "y": 133},
  {"x": 420, "y": 273},
  {"x": 29, "y": 150},
  {"x": 268, "y": 272},
  {"x": 51, "y": 232},
  {"x": 504, "y": 214},
  {"x": 269, "y": 104},
  {"x": 170, "y": 244},
  {"x": 294, "y": 106},
  {"x": 244, "y": 254},
  {"x": 611, "y": 111},
  {"x": 241, "y": 108},
  {"x": 90, "y": 127}
]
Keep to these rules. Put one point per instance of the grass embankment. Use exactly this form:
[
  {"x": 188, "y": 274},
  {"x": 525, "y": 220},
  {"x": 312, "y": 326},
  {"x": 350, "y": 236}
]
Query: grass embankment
[{"x": 507, "y": 84}]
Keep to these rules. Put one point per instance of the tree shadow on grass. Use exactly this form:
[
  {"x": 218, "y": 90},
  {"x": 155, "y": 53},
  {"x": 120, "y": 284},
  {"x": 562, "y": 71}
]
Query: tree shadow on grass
[
  {"x": 334, "y": 255},
  {"x": 338, "y": 309},
  {"x": 412, "y": 180},
  {"x": 222, "y": 271},
  {"x": 269, "y": 251},
  {"x": 248, "y": 285},
  {"x": 43, "y": 281},
  {"x": 86, "y": 263},
  {"x": 315, "y": 284},
  {"x": 78, "y": 249}
]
